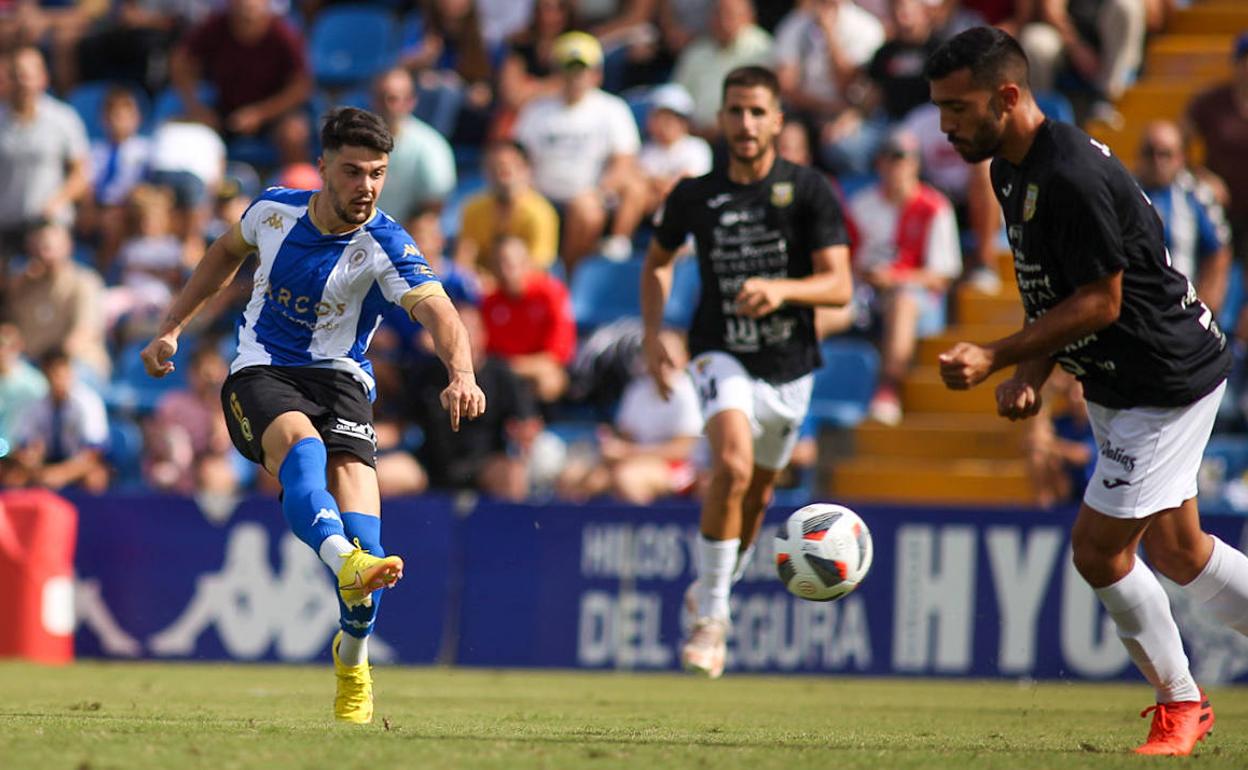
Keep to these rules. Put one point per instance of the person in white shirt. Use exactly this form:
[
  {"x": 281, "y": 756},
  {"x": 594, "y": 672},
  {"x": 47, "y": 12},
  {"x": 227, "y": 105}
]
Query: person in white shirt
[
  {"x": 906, "y": 250},
  {"x": 732, "y": 40},
  {"x": 672, "y": 153},
  {"x": 583, "y": 143}
]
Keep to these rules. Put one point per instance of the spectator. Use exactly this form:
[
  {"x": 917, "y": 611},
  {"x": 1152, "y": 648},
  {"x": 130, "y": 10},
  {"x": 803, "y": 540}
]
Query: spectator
[
  {"x": 61, "y": 440},
  {"x": 671, "y": 153},
  {"x": 1059, "y": 447},
  {"x": 529, "y": 70},
  {"x": 151, "y": 265},
  {"x": 256, "y": 61},
  {"x": 21, "y": 385},
  {"x": 1101, "y": 40},
  {"x": 186, "y": 443},
  {"x": 58, "y": 303},
  {"x": 821, "y": 49},
  {"x": 509, "y": 206},
  {"x": 501, "y": 19},
  {"x": 733, "y": 40},
  {"x": 292, "y": 138},
  {"x": 119, "y": 161},
  {"x": 43, "y": 154},
  {"x": 648, "y": 452},
  {"x": 1197, "y": 236},
  {"x": 583, "y": 144},
  {"x": 422, "y": 167},
  {"x": 528, "y": 320},
  {"x": 488, "y": 453},
  {"x": 444, "y": 46},
  {"x": 906, "y": 250},
  {"x": 189, "y": 158},
  {"x": 131, "y": 45},
  {"x": 1219, "y": 117}
]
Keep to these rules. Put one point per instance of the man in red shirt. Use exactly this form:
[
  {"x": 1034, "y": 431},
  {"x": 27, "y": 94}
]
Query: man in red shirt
[
  {"x": 255, "y": 60},
  {"x": 528, "y": 320}
]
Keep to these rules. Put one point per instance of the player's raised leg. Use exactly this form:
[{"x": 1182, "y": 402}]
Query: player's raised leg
[
  {"x": 354, "y": 484},
  {"x": 732, "y": 460},
  {"x": 1104, "y": 553}
]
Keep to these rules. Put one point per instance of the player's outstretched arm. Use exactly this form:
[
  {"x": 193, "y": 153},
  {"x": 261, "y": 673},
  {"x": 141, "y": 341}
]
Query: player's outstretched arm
[
  {"x": 218, "y": 267},
  {"x": 1091, "y": 308},
  {"x": 830, "y": 285},
  {"x": 656, "y": 285},
  {"x": 462, "y": 398}
]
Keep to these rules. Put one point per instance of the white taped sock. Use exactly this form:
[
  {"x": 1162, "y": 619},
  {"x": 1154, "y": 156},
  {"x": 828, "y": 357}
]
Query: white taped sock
[
  {"x": 353, "y": 650},
  {"x": 716, "y": 561},
  {"x": 1222, "y": 586},
  {"x": 743, "y": 563},
  {"x": 1139, "y": 606},
  {"x": 332, "y": 549}
]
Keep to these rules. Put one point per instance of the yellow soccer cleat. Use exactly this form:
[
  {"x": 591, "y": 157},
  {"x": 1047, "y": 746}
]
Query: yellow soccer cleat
[
  {"x": 353, "y": 702},
  {"x": 361, "y": 574}
]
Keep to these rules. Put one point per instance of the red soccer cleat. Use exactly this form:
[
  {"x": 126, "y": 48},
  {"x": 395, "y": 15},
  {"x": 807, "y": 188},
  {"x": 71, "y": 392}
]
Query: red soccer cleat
[{"x": 1177, "y": 727}]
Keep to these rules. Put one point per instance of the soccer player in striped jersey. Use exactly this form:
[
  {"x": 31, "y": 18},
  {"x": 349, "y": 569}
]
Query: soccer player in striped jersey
[{"x": 299, "y": 396}]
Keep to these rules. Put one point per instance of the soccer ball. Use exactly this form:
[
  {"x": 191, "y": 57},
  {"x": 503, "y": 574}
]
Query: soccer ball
[{"x": 823, "y": 552}]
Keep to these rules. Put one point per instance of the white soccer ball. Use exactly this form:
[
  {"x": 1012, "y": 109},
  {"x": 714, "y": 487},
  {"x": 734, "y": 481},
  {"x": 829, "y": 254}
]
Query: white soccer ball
[{"x": 823, "y": 552}]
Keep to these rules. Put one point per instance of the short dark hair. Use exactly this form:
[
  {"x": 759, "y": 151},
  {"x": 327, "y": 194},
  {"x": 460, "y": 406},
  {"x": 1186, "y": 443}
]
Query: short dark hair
[
  {"x": 54, "y": 356},
  {"x": 751, "y": 76},
  {"x": 349, "y": 126},
  {"x": 992, "y": 56},
  {"x": 508, "y": 144}
]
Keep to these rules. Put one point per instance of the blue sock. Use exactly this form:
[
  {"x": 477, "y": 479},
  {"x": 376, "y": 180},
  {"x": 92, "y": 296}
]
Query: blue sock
[
  {"x": 358, "y": 621},
  {"x": 308, "y": 506}
]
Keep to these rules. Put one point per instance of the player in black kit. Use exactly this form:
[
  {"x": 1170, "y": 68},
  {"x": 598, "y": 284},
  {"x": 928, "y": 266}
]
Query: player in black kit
[
  {"x": 771, "y": 246},
  {"x": 1103, "y": 302}
]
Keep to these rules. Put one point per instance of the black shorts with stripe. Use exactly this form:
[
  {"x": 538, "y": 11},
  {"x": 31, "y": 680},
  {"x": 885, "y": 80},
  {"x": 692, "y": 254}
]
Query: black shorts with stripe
[{"x": 333, "y": 400}]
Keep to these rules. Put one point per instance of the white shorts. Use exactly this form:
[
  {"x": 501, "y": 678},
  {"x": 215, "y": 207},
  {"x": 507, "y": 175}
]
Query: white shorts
[
  {"x": 775, "y": 412},
  {"x": 1148, "y": 457}
]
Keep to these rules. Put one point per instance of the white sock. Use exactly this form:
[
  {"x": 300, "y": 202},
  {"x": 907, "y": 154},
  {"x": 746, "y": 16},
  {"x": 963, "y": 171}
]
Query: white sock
[
  {"x": 353, "y": 650},
  {"x": 743, "y": 563},
  {"x": 1222, "y": 586},
  {"x": 716, "y": 561},
  {"x": 1139, "y": 606},
  {"x": 332, "y": 549}
]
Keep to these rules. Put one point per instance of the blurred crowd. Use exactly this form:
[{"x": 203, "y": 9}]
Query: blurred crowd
[{"x": 534, "y": 139}]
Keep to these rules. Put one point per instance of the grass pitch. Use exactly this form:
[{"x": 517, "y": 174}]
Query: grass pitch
[{"x": 184, "y": 716}]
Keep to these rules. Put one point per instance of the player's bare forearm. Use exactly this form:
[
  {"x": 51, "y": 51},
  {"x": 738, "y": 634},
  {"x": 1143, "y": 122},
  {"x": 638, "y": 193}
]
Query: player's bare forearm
[
  {"x": 656, "y": 284},
  {"x": 450, "y": 338},
  {"x": 213, "y": 273},
  {"x": 1214, "y": 278},
  {"x": 831, "y": 284},
  {"x": 1091, "y": 308},
  {"x": 1034, "y": 371}
]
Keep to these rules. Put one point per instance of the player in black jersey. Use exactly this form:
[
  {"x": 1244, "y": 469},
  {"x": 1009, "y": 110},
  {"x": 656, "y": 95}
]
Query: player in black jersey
[
  {"x": 1102, "y": 301},
  {"x": 771, "y": 245}
]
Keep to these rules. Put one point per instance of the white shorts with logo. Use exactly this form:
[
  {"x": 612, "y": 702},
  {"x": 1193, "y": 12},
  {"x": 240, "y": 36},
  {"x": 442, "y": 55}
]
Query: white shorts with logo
[
  {"x": 1148, "y": 457},
  {"x": 775, "y": 412}
]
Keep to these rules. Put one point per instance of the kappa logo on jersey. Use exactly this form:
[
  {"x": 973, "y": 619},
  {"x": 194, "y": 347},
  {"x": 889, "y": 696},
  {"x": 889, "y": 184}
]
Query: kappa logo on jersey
[
  {"x": 1029, "y": 202},
  {"x": 360, "y": 430},
  {"x": 276, "y": 222},
  {"x": 410, "y": 250},
  {"x": 781, "y": 194},
  {"x": 718, "y": 200}
]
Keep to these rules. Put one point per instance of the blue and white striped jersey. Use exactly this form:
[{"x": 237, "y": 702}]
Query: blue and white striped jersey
[{"x": 319, "y": 297}]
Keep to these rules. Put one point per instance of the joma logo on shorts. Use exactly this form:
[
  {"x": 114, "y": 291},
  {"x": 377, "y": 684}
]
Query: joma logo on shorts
[{"x": 1117, "y": 455}]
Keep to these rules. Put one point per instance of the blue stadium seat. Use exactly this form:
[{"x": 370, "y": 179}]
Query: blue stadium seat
[
  {"x": 638, "y": 98},
  {"x": 439, "y": 106},
  {"x": 845, "y": 384},
  {"x": 87, "y": 100},
  {"x": 168, "y": 104},
  {"x": 683, "y": 299},
  {"x": 350, "y": 44},
  {"x": 125, "y": 452},
  {"x": 132, "y": 390},
  {"x": 604, "y": 291},
  {"x": 1055, "y": 106}
]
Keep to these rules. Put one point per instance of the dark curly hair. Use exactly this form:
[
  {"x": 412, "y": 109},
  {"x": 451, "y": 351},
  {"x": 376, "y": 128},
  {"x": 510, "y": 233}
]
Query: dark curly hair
[{"x": 348, "y": 126}]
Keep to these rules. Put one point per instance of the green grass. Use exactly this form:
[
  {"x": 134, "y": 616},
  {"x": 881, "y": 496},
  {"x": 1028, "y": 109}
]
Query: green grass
[{"x": 181, "y": 717}]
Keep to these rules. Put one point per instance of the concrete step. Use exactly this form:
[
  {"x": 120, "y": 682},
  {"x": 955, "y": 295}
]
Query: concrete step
[
  {"x": 924, "y": 392},
  {"x": 942, "y": 436},
  {"x": 976, "y": 308},
  {"x": 870, "y": 478}
]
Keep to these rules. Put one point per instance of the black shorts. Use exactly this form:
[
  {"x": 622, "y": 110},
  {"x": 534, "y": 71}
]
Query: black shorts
[{"x": 333, "y": 400}]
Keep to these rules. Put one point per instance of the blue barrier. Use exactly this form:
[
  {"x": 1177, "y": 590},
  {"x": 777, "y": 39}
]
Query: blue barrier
[{"x": 953, "y": 592}]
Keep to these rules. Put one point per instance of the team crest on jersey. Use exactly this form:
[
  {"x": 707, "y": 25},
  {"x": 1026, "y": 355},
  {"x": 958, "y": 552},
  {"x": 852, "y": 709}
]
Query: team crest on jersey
[
  {"x": 357, "y": 257},
  {"x": 781, "y": 194},
  {"x": 275, "y": 221},
  {"x": 1029, "y": 202}
]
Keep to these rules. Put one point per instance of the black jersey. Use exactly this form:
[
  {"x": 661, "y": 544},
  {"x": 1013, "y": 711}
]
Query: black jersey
[
  {"x": 768, "y": 229},
  {"x": 1075, "y": 215}
]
